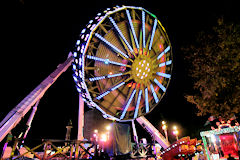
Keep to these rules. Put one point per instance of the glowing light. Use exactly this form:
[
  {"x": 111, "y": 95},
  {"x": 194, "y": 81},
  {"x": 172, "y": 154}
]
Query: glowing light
[
  {"x": 78, "y": 42},
  {"x": 146, "y": 100},
  {"x": 83, "y": 31},
  {"x": 96, "y": 78},
  {"x": 154, "y": 94},
  {"x": 117, "y": 86},
  {"x": 108, "y": 127},
  {"x": 102, "y": 95},
  {"x": 137, "y": 105},
  {"x": 163, "y": 52},
  {"x": 75, "y": 54},
  {"x": 169, "y": 62},
  {"x": 143, "y": 28},
  {"x": 160, "y": 85},
  {"x": 103, "y": 138},
  {"x": 153, "y": 33},
  {"x": 121, "y": 35},
  {"x": 128, "y": 103},
  {"x": 132, "y": 29},
  {"x": 114, "y": 75},
  {"x": 110, "y": 45},
  {"x": 163, "y": 75},
  {"x": 106, "y": 61}
]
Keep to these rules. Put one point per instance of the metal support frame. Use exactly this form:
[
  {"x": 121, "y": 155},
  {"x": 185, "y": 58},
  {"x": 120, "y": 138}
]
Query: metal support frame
[
  {"x": 17, "y": 113},
  {"x": 153, "y": 132},
  {"x": 30, "y": 119},
  {"x": 80, "y": 118},
  {"x": 135, "y": 132}
]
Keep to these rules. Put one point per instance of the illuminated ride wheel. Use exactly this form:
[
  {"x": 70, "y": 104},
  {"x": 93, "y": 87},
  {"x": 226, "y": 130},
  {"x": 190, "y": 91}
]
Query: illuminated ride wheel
[{"x": 123, "y": 62}]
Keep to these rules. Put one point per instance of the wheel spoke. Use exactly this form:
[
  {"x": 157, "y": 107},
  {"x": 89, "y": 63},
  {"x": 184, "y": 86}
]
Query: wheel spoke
[
  {"x": 137, "y": 105},
  {"x": 164, "y": 75},
  {"x": 103, "y": 77},
  {"x": 109, "y": 90},
  {"x": 111, "y": 45},
  {"x": 106, "y": 61},
  {"x": 154, "y": 94},
  {"x": 146, "y": 100},
  {"x": 128, "y": 103},
  {"x": 160, "y": 85},
  {"x": 152, "y": 35},
  {"x": 120, "y": 34},
  {"x": 132, "y": 28},
  {"x": 143, "y": 29},
  {"x": 165, "y": 63},
  {"x": 163, "y": 52}
]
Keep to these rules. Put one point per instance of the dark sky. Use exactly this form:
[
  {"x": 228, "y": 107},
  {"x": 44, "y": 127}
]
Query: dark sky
[{"x": 37, "y": 36}]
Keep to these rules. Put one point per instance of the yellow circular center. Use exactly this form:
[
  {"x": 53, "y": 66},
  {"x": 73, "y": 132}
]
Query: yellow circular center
[{"x": 142, "y": 69}]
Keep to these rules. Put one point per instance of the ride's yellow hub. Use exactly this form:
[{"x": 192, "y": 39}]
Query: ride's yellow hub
[{"x": 142, "y": 69}]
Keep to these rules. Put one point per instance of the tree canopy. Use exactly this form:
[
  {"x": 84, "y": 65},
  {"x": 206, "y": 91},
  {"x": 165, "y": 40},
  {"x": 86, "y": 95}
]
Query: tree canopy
[{"x": 214, "y": 61}]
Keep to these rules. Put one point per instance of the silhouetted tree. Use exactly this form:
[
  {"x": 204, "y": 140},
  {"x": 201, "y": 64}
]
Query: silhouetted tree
[{"x": 215, "y": 69}]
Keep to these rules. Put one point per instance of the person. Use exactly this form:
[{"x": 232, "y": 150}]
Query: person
[{"x": 230, "y": 157}]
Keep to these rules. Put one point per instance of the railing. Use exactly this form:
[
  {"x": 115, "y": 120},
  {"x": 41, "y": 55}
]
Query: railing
[{"x": 55, "y": 149}]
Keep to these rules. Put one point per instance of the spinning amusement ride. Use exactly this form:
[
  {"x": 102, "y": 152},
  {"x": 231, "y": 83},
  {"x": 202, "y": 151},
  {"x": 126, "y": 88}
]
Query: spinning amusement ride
[{"x": 122, "y": 65}]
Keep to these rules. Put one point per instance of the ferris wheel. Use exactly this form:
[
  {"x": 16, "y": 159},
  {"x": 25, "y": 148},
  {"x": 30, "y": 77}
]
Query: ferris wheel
[{"x": 123, "y": 62}]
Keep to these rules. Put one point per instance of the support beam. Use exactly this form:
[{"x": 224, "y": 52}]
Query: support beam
[
  {"x": 17, "y": 113},
  {"x": 135, "y": 136},
  {"x": 80, "y": 118},
  {"x": 153, "y": 132},
  {"x": 30, "y": 119}
]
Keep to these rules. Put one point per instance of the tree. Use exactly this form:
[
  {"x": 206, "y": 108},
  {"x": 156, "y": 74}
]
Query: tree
[{"x": 215, "y": 70}]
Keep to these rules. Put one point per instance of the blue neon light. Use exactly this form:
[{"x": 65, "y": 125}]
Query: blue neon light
[
  {"x": 110, "y": 45},
  {"x": 163, "y": 75},
  {"x": 117, "y": 86},
  {"x": 146, "y": 100},
  {"x": 165, "y": 63},
  {"x": 120, "y": 33},
  {"x": 154, "y": 94},
  {"x": 137, "y": 105},
  {"x": 143, "y": 28},
  {"x": 128, "y": 103},
  {"x": 163, "y": 52},
  {"x": 132, "y": 29},
  {"x": 160, "y": 85},
  {"x": 114, "y": 75},
  {"x": 153, "y": 33},
  {"x": 102, "y": 95},
  {"x": 106, "y": 61},
  {"x": 96, "y": 78}
]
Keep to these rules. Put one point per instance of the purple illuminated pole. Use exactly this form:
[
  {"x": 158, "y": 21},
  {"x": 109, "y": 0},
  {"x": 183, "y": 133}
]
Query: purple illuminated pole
[{"x": 80, "y": 118}]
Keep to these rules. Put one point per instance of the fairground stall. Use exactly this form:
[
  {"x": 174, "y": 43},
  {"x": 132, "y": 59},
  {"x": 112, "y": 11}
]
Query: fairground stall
[{"x": 221, "y": 143}]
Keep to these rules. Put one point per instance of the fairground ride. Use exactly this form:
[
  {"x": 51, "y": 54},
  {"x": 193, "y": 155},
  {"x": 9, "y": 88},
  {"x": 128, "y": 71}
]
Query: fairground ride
[{"x": 122, "y": 65}]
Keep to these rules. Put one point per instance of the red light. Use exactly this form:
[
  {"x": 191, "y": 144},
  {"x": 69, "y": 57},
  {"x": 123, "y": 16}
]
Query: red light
[{"x": 161, "y": 47}]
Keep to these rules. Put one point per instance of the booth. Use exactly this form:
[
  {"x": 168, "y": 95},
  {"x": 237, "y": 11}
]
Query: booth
[{"x": 221, "y": 143}]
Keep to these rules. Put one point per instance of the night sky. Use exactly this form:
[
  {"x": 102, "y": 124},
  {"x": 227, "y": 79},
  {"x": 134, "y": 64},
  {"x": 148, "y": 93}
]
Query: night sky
[{"x": 37, "y": 36}]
